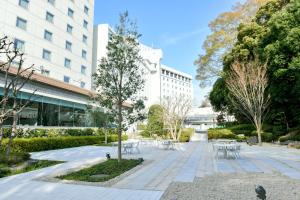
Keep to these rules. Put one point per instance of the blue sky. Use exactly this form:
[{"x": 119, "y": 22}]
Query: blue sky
[{"x": 178, "y": 27}]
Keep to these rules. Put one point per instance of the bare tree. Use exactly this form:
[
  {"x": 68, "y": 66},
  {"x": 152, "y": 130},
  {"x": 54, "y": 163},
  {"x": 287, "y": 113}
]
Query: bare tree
[
  {"x": 175, "y": 110},
  {"x": 13, "y": 78},
  {"x": 7, "y": 56},
  {"x": 21, "y": 77},
  {"x": 247, "y": 83}
]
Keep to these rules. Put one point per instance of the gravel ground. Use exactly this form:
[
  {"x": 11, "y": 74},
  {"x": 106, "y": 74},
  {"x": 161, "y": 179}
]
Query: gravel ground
[{"x": 235, "y": 187}]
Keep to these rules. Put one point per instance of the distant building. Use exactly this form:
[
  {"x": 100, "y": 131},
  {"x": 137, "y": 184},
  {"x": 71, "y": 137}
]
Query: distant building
[
  {"x": 174, "y": 82},
  {"x": 160, "y": 81},
  {"x": 201, "y": 118}
]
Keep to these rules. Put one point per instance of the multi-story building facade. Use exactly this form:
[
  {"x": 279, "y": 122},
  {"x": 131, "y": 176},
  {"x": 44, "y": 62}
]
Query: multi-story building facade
[
  {"x": 176, "y": 83},
  {"x": 150, "y": 67},
  {"x": 160, "y": 81},
  {"x": 57, "y": 37}
]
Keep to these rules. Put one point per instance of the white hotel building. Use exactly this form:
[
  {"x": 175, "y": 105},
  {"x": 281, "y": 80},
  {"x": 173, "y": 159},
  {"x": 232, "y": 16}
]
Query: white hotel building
[
  {"x": 56, "y": 36},
  {"x": 160, "y": 81},
  {"x": 174, "y": 82},
  {"x": 60, "y": 39}
]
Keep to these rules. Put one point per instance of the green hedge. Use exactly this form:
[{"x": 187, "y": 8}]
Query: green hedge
[
  {"x": 217, "y": 133},
  {"x": 33, "y": 133},
  {"x": 43, "y": 144}
]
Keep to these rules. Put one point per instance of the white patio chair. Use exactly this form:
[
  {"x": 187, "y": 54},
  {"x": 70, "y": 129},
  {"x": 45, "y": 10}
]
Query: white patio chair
[
  {"x": 135, "y": 146},
  {"x": 220, "y": 148},
  {"x": 127, "y": 148}
]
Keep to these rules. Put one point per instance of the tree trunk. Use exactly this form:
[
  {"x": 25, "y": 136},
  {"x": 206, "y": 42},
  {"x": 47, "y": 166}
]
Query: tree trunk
[
  {"x": 13, "y": 131},
  {"x": 1, "y": 134},
  {"x": 259, "y": 136},
  {"x": 120, "y": 132},
  {"x": 105, "y": 131}
]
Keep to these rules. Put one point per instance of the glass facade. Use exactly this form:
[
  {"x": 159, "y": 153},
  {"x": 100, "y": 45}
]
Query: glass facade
[{"x": 45, "y": 111}]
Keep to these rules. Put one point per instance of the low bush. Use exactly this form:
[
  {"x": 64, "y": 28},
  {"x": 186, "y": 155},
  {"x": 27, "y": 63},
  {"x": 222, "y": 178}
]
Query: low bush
[
  {"x": 110, "y": 169},
  {"x": 51, "y": 143},
  {"x": 241, "y": 138},
  {"x": 14, "y": 157},
  {"x": 245, "y": 129},
  {"x": 293, "y": 136},
  {"x": 186, "y": 134},
  {"x": 218, "y": 133},
  {"x": 4, "y": 170},
  {"x": 265, "y": 136}
]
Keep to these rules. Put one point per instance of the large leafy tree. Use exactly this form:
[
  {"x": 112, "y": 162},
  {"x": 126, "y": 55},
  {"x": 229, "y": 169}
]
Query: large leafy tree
[
  {"x": 224, "y": 30},
  {"x": 274, "y": 35},
  {"x": 119, "y": 78}
]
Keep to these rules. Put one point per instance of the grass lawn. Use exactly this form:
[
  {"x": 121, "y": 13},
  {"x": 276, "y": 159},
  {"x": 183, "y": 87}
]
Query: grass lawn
[
  {"x": 103, "y": 171},
  {"x": 9, "y": 170}
]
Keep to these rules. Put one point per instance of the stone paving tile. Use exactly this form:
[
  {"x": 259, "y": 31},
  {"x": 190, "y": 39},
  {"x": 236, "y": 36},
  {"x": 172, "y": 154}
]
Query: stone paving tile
[
  {"x": 195, "y": 159},
  {"x": 189, "y": 169},
  {"x": 247, "y": 165}
]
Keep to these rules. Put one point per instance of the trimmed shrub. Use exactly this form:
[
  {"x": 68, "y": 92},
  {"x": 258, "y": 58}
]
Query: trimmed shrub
[
  {"x": 241, "y": 138},
  {"x": 14, "y": 157},
  {"x": 217, "y": 133},
  {"x": 293, "y": 136},
  {"x": 245, "y": 129},
  {"x": 265, "y": 136},
  {"x": 43, "y": 144},
  {"x": 186, "y": 134}
]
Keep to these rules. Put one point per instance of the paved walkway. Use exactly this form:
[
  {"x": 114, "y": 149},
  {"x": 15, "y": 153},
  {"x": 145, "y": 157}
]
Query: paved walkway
[{"x": 190, "y": 160}]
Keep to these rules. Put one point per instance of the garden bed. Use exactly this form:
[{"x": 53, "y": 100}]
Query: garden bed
[
  {"x": 103, "y": 171},
  {"x": 26, "y": 166}
]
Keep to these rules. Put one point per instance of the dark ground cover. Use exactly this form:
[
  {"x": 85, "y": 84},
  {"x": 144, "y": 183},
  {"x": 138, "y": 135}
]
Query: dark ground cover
[{"x": 103, "y": 171}]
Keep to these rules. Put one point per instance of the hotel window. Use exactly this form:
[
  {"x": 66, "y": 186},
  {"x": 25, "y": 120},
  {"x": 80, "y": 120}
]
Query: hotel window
[
  {"x": 70, "y": 12},
  {"x": 24, "y": 3},
  {"x": 68, "y": 45},
  {"x": 49, "y": 17},
  {"x": 84, "y": 39},
  {"x": 69, "y": 28},
  {"x": 21, "y": 23},
  {"x": 48, "y": 35},
  {"x": 67, "y": 63},
  {"x": 82, "y": 84},
  {"x": 85, "y": 24},
  {"x": 51, "y": 2},
  {"x": 19, "y": 45},
  {"x": 66, "y": 79},
  {"x": 46, "y": 54},
  {"x": 167, "y": 73},
  {"x": 86, "y": 10},
  {"x": 83, "y": 54},
  {"x": 83, "y": 69}
]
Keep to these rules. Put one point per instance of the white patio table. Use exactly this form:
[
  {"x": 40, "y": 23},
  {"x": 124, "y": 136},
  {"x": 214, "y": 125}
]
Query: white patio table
[
  {"x": 226, "y": 148},
  {"x": 128, "y": 146}
]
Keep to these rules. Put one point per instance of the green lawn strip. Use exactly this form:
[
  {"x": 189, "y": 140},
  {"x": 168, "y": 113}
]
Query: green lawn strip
[
  {"x": 109, "y": 169},
  {"x": 6, "y": 170}
]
